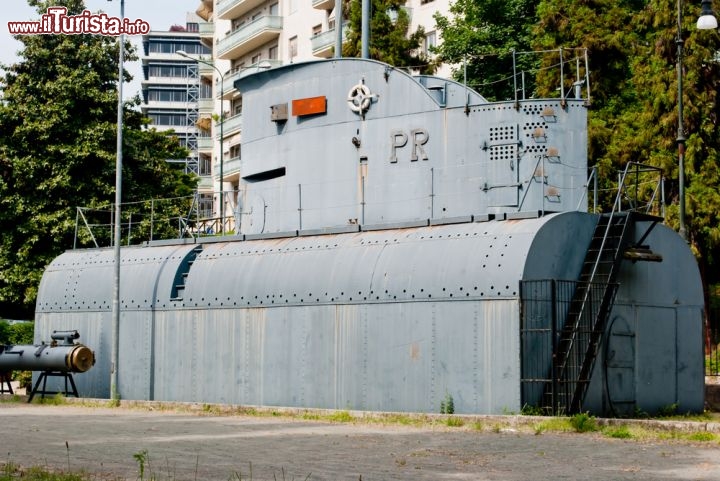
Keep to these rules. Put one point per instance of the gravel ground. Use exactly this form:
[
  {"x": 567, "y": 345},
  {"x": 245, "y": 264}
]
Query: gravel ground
[{"x": 188, "y": 446}]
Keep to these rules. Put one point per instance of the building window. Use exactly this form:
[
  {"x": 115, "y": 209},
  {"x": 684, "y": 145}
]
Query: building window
[
  {"x": 205, "y": 203},
  {"x": 255, "y": 59},
  {"x": 168, "y": 119},
  {"x": 274, "y": 10},
  {"x": 169, "y": 71},
  {"x": 236, "y": 107},
  {"x": 292, "y": 47},
  {"x": 429, "y": 43},
  {"x": 273, "y": 52},
  {"x": 316, "y": 30},
  {"x": 205, "y": 91},
  {"x": 193, "y": 27},
  {"x": 235, "y": 151},
  {"x": 167, "y": 95},
  {"x": 172, "y": 46}
]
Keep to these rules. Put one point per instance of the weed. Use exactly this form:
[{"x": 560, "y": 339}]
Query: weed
[
  {"x": 341, "y": 417},
  {"x": 668, "y": 410},
  {"x": 142, "y": 458},
  {"x": 454, "y": 422},
  {"x": 618, "y": 432},
  {"x": 703, "y": 436},
  {"x": 584, "y": 423},
  {"x": 56, "y": 400},
  {"x": 528, "y": 410},
  {"x": 554, "y": 424},
  {"x": 477, "y": 426}
]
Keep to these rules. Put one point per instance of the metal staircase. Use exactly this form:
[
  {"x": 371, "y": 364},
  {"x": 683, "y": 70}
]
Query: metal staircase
[
  {"x": 580, "y": 337},
  {"x": 582, "y": 333}
]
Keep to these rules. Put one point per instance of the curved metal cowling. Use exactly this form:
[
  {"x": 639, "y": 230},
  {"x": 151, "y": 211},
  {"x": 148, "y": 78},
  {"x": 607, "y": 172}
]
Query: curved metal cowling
[
  {"x": 477, "y": 260},
  {"x": 46, "y": 357}
]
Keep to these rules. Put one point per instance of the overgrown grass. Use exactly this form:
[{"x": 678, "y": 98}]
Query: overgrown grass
[
  {"x": 13, "y": 472},
  {"x": 454, "y": 422},
  {"x": 618, "y": 432}
]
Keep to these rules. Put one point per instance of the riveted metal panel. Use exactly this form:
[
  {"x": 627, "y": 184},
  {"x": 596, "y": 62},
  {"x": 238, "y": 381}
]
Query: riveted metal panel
[
  {"x": 135, "y": 355},
  {"x": 405, "y": 157},
  {"x": 82, "y": 280},
  {"x": 472, "y": 260},
  {"x": 390, "y": 356}
]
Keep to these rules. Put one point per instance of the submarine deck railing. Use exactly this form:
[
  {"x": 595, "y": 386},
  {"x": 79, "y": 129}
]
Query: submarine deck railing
[{"x": 158, "y": 219}]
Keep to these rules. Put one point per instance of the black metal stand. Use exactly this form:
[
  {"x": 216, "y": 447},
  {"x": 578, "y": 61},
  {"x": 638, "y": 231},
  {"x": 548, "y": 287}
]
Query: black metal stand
[
  {"x": 5, "y": 380},
  {"x": 43, "y": 377}
]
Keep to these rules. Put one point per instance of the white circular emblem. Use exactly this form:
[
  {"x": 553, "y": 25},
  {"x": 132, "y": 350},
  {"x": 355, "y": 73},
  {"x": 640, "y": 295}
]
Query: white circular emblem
[{"x": 359, "y": 98}]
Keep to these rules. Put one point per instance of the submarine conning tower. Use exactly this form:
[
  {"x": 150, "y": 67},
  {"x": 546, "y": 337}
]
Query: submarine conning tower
[
  {"x": 354, "y": 141},
  {"x": 399, "y": 242}
]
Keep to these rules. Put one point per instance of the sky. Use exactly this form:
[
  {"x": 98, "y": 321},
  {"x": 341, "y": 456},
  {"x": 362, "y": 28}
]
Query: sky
[{"x": 160, "y": 14}]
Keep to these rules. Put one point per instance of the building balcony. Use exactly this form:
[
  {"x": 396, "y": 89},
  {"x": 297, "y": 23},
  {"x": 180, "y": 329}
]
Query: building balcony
[
  {"x": 205, "y": 144},
  {"x": 205, "y": 184},
  {"x": 207, "y": 32},
  {"x": 232, "y": 125},
  {"x": 206, "y": 70},
  {"x": 205, "y": 106},
  {"x": 323, "y": 44},
  {"x": 323, "y": 4},
  {"x": 231, "y": 168},
  {"x": 230, "y": 9},
  {"x": 249, "y": 37},
  {"x": 228, "y": 88}
]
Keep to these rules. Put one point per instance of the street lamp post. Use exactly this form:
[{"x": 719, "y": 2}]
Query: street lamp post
[
  {"x": 183, "y": 53},
  {"x": 706, "y": 21},
  {"x": 115, "y": 346}
]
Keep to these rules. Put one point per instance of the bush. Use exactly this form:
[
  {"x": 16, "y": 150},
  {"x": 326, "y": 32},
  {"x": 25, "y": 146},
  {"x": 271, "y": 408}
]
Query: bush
[
  {"x": 18, "y": 333},
  {"x": 583, "y": 423},
  {"x": 4, "y": 333}
]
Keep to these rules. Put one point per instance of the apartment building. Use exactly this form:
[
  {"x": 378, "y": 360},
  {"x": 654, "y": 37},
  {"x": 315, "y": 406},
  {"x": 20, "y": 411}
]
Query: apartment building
[
  {"x": 177, "y": 93},
  {"x": 250, "y": 35}
]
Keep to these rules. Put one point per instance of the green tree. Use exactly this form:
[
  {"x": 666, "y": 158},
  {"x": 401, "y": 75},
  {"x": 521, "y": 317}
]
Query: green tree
[
  {"x": 389, "y": 39},
  {"x": 606, "y": 28},
  {"x": 480, "y": 36},
  {"x": 655, "y": 78},
  {"x": 634, "y": 114},
  {"x": 57, "y": 151}
]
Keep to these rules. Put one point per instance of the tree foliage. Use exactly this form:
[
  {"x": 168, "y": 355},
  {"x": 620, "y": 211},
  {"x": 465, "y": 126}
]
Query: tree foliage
[
  {"x": 480, "y": 37},
  {"x": 19, "y": 333},
  {"x": 58, "y": 121},
  {"x": 389, "y": 39}
]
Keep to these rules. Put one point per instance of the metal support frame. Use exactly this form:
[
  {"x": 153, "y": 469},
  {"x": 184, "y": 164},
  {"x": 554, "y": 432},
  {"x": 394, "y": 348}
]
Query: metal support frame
[
  {"x": 43, "y": 378},
  {"x": 192, "y": 162}
]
